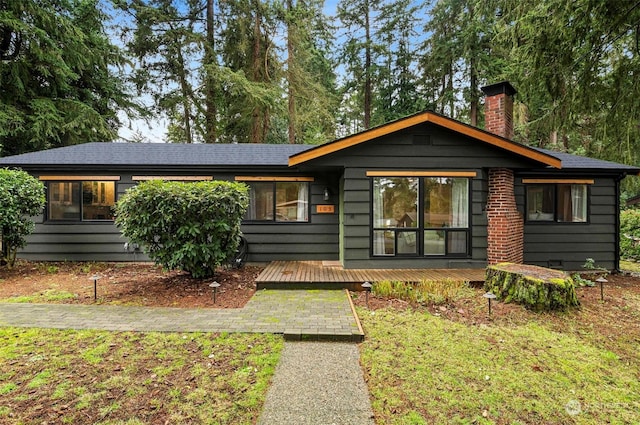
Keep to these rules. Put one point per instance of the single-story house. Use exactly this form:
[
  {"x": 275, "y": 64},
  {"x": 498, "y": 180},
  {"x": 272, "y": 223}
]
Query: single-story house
[{"x": 424, "y": 191}]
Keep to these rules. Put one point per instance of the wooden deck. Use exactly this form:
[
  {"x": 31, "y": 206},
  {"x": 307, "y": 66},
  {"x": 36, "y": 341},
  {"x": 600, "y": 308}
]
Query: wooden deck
[{"x": 330, "y": 274}]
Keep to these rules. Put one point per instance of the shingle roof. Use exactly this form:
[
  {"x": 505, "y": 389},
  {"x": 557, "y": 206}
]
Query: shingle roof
[
  {"x": 160, "y": 154},
  {"x": 242, "y": 154},
  {"x": 570, "y": 161}
]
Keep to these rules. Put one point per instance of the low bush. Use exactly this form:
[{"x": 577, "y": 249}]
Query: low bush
[
  {"x": 193, "y": 227},
  {"x": 423, "y": 292},
  {"x": 630, "y": 234},
  {"x": 21, "y": 196}
]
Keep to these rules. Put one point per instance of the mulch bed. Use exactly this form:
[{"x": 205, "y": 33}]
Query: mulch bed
[{"x": 129, "y": 284}]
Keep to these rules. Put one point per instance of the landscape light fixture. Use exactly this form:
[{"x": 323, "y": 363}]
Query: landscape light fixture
[
  {"x": 215, "y": 286},
  {"x": 601, "y": 280},
  {"x": 367, "y": 288},
  {"x": 490, "y": 296},
  {"x": 95, "y": 278}
]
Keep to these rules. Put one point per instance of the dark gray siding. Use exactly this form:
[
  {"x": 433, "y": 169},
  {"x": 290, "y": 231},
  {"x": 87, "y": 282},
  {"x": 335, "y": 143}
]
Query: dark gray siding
[
  {"x": 93, "y": 241},
  {"x": 568, "y": 245},
  {"x": 88, "y": 241},
  {"x": 445, "y": 150},
  {"x": 316, "y": 240}
]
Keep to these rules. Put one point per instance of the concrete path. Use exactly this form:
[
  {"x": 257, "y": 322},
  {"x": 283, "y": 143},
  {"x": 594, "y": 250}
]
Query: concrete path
[
  {"x": 318, "y": 383},
  {"x": 298, "y": 315}
]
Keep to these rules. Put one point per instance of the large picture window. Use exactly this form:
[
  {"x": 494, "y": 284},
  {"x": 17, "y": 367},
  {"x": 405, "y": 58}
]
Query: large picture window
[
  {"x": 80, "y": 200},
  {"x": 420, "y": 216},
  {"x": 279, "y": 201},
  {"x": 562, "y": 203}
]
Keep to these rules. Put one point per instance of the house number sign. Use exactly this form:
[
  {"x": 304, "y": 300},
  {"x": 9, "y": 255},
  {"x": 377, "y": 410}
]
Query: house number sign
[{"x": 325, "y": 209}]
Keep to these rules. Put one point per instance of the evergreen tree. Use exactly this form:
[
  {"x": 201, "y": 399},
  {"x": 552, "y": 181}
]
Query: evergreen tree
[
  {"x": 58, "y": 81},
  {"x": 459, "y": 56},
  {"x": 397, "y": 91},
  {"x": 357, "y": 55},
  {"x": 253, "y": 94},
  {"x": 575, "y": 64},
  {"x": 311, "y": 92},
  {"x": 165, "y": 42},
  {"x": 210, "y": 67}
]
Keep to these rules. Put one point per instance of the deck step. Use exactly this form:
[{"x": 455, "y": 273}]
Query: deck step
[
  {"x": 351, "y": 286},
  {"x": 331, "y": 275}
]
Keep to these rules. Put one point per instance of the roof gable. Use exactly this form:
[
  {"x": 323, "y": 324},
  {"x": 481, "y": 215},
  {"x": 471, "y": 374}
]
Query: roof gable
[{"x": 426, "y": 117}]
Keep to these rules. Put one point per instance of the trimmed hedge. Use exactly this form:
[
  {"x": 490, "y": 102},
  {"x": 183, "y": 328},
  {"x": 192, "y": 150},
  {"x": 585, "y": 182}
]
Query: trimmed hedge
[
  {"x": 193, "y": 227},
  {"x": 537, "y": 288}
]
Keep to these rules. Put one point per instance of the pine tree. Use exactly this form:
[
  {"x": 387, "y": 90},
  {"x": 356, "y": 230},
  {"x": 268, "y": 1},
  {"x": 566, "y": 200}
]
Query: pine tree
[
  {"x": 575, "y": 64},
  {"x": 397, "y": 91},
  {"x": 311, "y": 96},
  {"x": 58, "y": 76},
  {"x": 251, "y": 79},
  {"x": 357, "y": 55}
]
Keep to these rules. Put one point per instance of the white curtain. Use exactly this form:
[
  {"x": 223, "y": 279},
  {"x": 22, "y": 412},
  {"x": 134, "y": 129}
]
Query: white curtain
[
  {"x": 460, "y": 203},
  {"x": 578, "y": 202},
  {"x": 303, "y": 202},
  {"x": 253, "y": 198},
  {"x": 460, "y": 212},
  {"x": 378, "y": 217}
]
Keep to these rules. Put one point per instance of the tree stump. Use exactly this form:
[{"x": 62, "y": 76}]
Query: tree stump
[{"x": 537, "y": 288}]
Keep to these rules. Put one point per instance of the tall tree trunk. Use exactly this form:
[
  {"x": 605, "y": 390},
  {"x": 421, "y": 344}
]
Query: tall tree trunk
[
  {"x": 186, "y": 91},
  {"x": 473, "y": 93},
  {"x": 450, "y": 92},
  {"x": 255, "y": 125},
  {"x": 367, "y": 68},
  {"x": 210, "y": 87},
  {"x": 473, "y": 79},
  {"x": 290, "y": 73}
]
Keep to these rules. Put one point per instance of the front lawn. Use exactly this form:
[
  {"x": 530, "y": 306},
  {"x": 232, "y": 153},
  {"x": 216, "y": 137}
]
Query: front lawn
[
  {"x": 453, "y": 364},
  {"x": 52, "y": 376}
]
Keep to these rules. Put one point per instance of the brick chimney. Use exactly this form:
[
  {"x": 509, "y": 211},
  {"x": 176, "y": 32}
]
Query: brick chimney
[
  {"x": 505, "y": 225},
  {"x": 498, "y": 109}
]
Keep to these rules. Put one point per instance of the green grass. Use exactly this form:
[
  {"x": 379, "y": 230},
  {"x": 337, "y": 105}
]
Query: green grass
[
  {"x": 424, "y": 369},
  {"x": 50, "y": 295},
  {"x": 423, "y": 292},
  {"x": 630, "y": 266},
  {"x": 57, "y": 376}
]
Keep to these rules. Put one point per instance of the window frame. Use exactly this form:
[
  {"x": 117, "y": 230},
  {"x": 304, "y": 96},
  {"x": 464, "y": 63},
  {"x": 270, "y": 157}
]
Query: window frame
[
  {"x": 533, "y": 183},
  {"x": 274, "y": 186},
  {"x": 420, "y": 228},
  {"x": 49, "y": 180}
]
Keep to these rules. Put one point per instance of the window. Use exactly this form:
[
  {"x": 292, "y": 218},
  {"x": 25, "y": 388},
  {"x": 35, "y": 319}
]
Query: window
[
  {"x": 420, "y": 216},
  {"x": 562, "y": 203},
  {"x": 81, "y": 200},
  {"x": 278, "y": 201}
]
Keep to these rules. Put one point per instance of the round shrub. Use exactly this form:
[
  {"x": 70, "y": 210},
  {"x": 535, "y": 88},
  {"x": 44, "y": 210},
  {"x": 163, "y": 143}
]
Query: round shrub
[
  {"x": 21, "y": 196},
  {"x": 193, "y": 227}
]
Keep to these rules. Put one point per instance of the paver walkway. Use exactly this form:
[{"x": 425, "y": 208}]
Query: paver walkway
[
  {"x": 315, "y": 382},
  {"x": 298, "y": 315}
]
